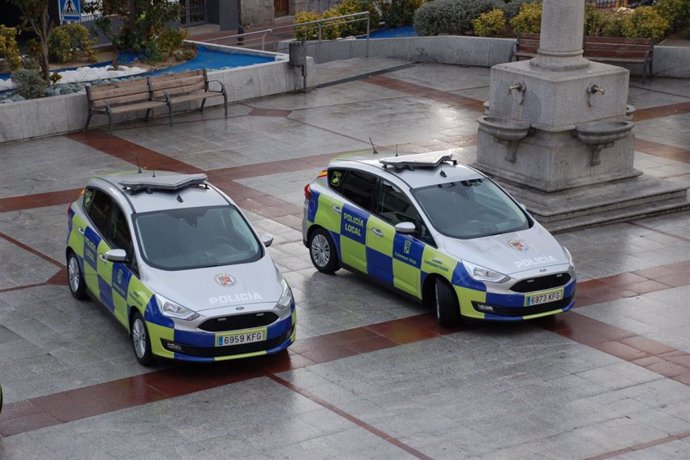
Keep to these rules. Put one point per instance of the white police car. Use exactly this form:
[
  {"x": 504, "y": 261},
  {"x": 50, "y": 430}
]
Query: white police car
[
  {"x": 441, "y": 232},
  {"x": 178, "y": 264}
]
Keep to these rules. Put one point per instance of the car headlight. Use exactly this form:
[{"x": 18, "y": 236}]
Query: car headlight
[
  {"x": 286, "y": 298},
  {"x": 173, "y": 310},
  {"x": 480, "y": 273},
  {"x": 568, "y": 255}
]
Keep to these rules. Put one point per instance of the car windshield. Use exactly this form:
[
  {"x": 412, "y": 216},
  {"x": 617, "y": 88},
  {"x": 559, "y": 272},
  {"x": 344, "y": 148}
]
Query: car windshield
[
  {"x": 177, "y": 239},
  {"x": 470, "y": 209}
]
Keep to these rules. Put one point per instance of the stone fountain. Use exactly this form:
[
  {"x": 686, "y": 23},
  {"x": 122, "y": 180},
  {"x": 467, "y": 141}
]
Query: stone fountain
[{"x": 558, "y": 135}]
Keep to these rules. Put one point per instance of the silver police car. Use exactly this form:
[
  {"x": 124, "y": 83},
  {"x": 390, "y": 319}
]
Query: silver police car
[
  {"x": 438, "y": 231},
  {"x": 179, "y": 266}
]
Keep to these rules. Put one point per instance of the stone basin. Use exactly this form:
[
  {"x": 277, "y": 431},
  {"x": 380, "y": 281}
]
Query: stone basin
[
  {"x": 603, "y": 132},
  {"x": 504, "y": 129}
]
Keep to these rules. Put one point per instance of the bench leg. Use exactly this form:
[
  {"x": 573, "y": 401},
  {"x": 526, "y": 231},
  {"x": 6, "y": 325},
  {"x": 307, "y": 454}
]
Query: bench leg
[
  {"x": 110, "y": 122},
  {"x": 225, "y": 102},
  {"x": 203, "y": 103},
  {"x": 170, "y": 114},
  {"x": 88, "y": 120},
  {"x": 148, "y": 112}
]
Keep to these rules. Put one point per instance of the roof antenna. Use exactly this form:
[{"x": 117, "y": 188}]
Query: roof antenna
[
  {"x": 138, "y": 166},
  {"x": 373, "y": 147},
  {"x": 396, "y": 150},
  {"x": 154, "y": 173}
]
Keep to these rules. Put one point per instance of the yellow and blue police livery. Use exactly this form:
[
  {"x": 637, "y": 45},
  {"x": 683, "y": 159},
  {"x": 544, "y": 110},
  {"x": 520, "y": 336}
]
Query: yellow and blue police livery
[
  {"x": 441, "y": 232},
  {"x": 179, "y": 266}
]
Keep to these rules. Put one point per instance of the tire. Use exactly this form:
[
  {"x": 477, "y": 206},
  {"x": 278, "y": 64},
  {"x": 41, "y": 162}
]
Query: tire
[
  {"x": 446, "y": 303},
  {"x": 141, "y": 342},
  {"x": 75, "y": 278},
  {"x": 322, "y": 251}
]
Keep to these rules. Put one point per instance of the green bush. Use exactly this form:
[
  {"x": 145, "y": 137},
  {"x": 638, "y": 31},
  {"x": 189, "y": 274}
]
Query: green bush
[
  {"x": 596, "y": 20},
  {"x": 171, "y": 40},
  {"x": 528, "y": 20},
  {"x": 397, "y": 13},
  {"x": 490, "y": 23},
  {"x": 8, "y": 47},
  {"x": 29, "y": 83},
  {"x": 646, "y": 22},
  {"x": 676, "y": 12},
  {"x": 329, "y": 30},
  {"x": 357, "y": 26},
  {"x": 451, "y": 17},
  {"x": 71, "y": 42}
]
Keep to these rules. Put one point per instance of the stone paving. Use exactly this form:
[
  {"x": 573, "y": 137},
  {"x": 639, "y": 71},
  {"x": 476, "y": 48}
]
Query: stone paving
[{"x": 371, "y": 375}]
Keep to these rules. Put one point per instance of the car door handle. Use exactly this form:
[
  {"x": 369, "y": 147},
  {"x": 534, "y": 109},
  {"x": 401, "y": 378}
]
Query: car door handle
[
  {"x": 80, "y": 230},
  {"x": 336, "y": 209},
  {"x": 377, "y": 232}
]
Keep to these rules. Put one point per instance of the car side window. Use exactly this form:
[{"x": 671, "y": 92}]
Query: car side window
[
  {"x": 393, "y": 206},
  {"x": 99, "y": 211},
  {"x": 87, "y": 199},
  {"x": 118, "y": 235},
  {"x": 358, "y": 187}
]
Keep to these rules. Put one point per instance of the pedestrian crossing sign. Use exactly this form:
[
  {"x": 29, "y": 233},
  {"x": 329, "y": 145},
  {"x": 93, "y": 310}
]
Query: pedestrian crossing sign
[{"x": 70, "y": 10}]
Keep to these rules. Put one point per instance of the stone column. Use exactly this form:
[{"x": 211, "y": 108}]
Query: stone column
[{"x": 560, "y": 44}]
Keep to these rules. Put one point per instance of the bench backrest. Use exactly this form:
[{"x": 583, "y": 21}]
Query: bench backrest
[
  {"x": 615, "y": 47},
  {"x": 121, "y": 92},
  {"x": 180, "y": 83}
]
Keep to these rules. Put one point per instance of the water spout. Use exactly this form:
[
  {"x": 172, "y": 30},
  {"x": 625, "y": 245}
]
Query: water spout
[{"x": 592, "y": 90}]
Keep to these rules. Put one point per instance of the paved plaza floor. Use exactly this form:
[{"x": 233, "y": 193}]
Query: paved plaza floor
[{"x": 371, "y": 375}]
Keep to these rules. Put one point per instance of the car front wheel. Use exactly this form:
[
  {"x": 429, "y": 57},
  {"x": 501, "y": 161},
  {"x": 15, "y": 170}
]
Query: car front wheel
[
  {"x": 447, "y": 307},
  {"x": 322, "y": 252},
  {"x": 141, "y": 341},
  {"x": 77, "y": 286}
]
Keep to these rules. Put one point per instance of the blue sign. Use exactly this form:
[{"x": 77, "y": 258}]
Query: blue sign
[{"x": 70, "y": 10}]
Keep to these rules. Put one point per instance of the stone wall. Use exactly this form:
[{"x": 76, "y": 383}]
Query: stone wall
[
  {"x": 257, "y": 13},
  {"x": 54, "y": 115}
]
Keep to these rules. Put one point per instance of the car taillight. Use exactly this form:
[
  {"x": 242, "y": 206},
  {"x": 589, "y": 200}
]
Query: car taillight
[{"x": 307, "y": 192}]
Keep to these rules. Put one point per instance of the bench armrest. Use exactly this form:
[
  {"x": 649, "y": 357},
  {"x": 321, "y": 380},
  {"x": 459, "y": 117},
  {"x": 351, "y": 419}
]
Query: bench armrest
[{"x": 220, "y": 84}]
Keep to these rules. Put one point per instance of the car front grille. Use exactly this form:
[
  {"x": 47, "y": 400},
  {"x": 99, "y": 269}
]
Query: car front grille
[
  {"x": 542, "y": 282},
  {"x": 212, "y": 352},
  {"x": 235, "y": 322},
  {"x": 525, "y": 311}
]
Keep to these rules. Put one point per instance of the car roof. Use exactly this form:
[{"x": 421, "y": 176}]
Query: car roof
[
  {"x": 147, "y": 191},
  {"x": 416, "y": 170}
]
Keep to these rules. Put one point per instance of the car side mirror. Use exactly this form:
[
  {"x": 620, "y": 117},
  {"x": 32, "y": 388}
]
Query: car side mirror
[
  {"x": 406, "y": 228},
  {"x": 116, "y": 255},
  {"x": 267, "y": 240}
]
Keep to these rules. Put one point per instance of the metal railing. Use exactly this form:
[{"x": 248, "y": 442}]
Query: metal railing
[{"x": 268, "y": 39}]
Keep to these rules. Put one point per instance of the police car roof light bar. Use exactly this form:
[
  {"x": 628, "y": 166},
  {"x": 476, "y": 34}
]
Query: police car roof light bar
[
  {"x": 420, "y": 160},
  {"x": 165, "y": 183}
]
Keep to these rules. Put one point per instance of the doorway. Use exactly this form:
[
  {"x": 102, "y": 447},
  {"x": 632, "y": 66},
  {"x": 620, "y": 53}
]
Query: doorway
[{"x": 280, "y": 8}]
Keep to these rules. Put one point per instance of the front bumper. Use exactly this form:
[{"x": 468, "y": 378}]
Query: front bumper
[{"x": 200, "y": 346}]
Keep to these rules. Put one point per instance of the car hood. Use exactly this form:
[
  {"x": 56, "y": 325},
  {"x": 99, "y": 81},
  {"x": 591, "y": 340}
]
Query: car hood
[
  {"x": 204, "y": 289},
  {"x": 510, "y": 253}
]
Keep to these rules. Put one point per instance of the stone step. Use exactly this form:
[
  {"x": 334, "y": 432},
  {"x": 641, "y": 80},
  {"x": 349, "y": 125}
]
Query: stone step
[{"x": 587, "y": 206}]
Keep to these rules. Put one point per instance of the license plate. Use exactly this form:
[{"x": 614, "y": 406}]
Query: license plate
[
  {"x": 544, "y": 297},
  {"x": 240, "y": 338}
]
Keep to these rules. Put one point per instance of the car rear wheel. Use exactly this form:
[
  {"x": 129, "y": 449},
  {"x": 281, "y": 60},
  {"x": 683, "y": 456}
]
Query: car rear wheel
[
  {"x": 322, "y": 252},
  {"x": 77, "y": 286},
  {"x": 141, "y": 342},
  {"x": 447, "y": 307}
]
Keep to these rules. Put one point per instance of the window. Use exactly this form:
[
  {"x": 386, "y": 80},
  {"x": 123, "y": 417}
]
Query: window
[
  {"x": 99, "y": 211},
  {"x": 393, "y": 206},
  {"x": 177, "y": 239},
  {"x": 471, "y": 209},
  {"x": 356, "y": 186}
]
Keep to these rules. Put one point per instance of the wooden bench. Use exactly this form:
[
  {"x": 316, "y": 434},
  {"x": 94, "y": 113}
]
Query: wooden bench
[
  {"x": 192, "y": 85},
  {"x": 614, "y": 50},
  {"x": 121, "y": 97},
  {"x": 619, "y": 50}
]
